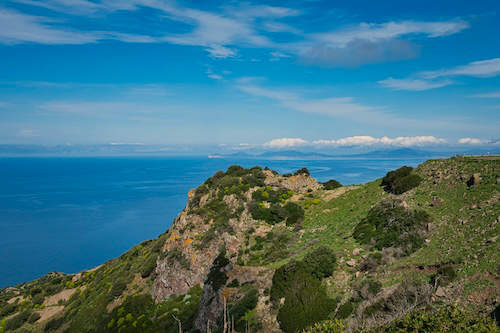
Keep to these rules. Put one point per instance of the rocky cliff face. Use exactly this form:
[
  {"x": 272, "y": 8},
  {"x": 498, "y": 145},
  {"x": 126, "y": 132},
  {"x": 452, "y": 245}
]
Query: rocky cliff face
[{"x": 218, "y": 218}]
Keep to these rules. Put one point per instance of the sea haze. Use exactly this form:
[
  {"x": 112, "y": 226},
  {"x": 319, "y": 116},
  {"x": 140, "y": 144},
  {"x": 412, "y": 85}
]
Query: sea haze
[{"x": 71, "y": 214}]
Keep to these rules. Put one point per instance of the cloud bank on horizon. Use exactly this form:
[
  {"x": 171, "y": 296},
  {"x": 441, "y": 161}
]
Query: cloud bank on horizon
[{"x": 162, "y": 71}]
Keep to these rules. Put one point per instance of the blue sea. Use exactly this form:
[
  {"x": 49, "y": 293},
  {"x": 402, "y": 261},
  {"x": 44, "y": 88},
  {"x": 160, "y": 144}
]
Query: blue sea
[{"x": 71, "y": 214}]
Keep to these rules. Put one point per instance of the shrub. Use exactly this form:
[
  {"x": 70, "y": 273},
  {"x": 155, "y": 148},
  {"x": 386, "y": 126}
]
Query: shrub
[
  {"x": 331, "y": 184},
  {"x": 18, "y": 320},
  {"x": 321, "y": 262},
  {"x": 149, "y": 267},
  {"x": 238, "y": 311},
  {"x": 53, "y": 324},
  {"x": 217, "y": 276},
  {"x": 443, "y": 319},
  {"x": 302, "y": 171},
  {"x": 306, "y": 303},
  {"x": 118, "y": 288},
  {"x": 444, "y": 275},
  {"x": 33, "y": 317},
  {"x": 345, "y": 310},
  {"x": 328, "y": 326},
  {"x": 295, "y": 214},
  {"x": 400, "y": 180},
  {"x": 404, "y": 184},
  {"x": 389, "y": 224},
  {"x": 38, "y": 299}
]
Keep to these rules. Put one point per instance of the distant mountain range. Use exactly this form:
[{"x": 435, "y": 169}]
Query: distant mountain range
[{"x": 299, "y": 155}]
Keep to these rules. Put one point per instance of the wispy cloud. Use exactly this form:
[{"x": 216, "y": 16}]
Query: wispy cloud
[
  {"x": 426, "y": 80},
  {"x": 482, "y": 68},
  {"x": 331, "y": 106},
  {"x": 224, "y": 31},
  {"x": 413, "y": 84},
  {"x": 371, "y": 43},
  {"x": 495, "y": 94}
]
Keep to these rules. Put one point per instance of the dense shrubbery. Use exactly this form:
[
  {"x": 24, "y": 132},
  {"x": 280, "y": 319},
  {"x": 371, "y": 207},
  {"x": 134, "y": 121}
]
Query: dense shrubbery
[
  {"x": 389, "y": 224},
  {"x": 275, "y": 213},
  {"x": 238, "y": 311},
  {"x": 139, "y": 313},
  {"x": 217, "y": 276},
  {"x": 328, "y": 326},
  {"x": 321, "y": 262},
  {"x": 400, "y": 180},
  {"x": 306, "y": 301},
  {"x": 331, "y": 184},
  {"x": 18, "y": 320},
  {"x": 236, "y": 180},
  {"x": 445, "y": 319}
]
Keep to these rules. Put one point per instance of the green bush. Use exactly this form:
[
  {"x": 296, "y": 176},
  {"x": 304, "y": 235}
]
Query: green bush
[
  {"x": 444, "y": 319},
  {"x": 217, "y": 276},
  {"x": 331, "y": 184},
  {"x": 246, "y": 304},
  {"x": 118, "y": 288},
  {"x": 33, "y": 317},
  {"x": 321, "y": 262},
  {"x": 404, "y": 184},
  {"x": 345, "y": 310},
  {"x": 400, "y": 180},
  {"x": 38, "y": 299},
  {"x": 53, "y": 324},
  {"x": 306, "y": 303},
  {"x": 328, "y": 326},
  {"x": 389, "y": 224},
  {"x": 18, "y": 320},
  {"x": 302, "y": 171},
  {"x": 149, "y": 267},
  {"x": 295, "y": 214}
]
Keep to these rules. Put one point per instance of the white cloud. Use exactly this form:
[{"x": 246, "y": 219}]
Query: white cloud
[
  {"x": 495, "y": 94},
  {"x": 363, "y": 140},
  {"x": 470, "y": 141},
  {"x": 413, "y": 84},
  {"x": 19, "y": 28},
  {"x": 285, "y": 143},
  {"x": 482, "y": 68},
  {"x": 390, "y": 30},
  {"x": 27, "y": 133},
  {"x": 426, "y": 80}
]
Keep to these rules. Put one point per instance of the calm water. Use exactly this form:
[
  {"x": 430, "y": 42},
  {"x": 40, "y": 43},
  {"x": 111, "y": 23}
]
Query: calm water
[{"x": 71, "y": 214}]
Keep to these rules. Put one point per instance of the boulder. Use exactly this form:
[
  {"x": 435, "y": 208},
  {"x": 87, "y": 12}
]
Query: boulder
[
  {"x": 351, "y": 263},
  {"x": 475, "y": 179}
]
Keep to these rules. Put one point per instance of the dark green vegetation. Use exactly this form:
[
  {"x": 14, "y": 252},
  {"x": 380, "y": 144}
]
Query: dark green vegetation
[
  {"x": 400, "y": 180},
  {"x": 299, "y": 283},
  {"x": 366, "y": 258},
  {"x": 331, "y": 184},
  {"x": 389, "y": 224}
]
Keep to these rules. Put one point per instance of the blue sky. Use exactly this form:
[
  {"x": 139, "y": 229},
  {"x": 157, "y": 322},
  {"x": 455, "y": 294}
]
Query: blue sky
[{"x": 268, "y": 74}]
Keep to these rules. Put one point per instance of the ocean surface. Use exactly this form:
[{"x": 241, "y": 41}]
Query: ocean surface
[{"x": 72, "y": 214}]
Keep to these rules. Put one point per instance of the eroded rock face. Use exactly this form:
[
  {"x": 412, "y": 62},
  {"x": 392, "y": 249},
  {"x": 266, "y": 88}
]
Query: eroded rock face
[{"x": 188, "y": 253}]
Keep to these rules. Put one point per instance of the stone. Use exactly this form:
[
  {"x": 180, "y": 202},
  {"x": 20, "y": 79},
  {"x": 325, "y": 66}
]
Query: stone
[
  {"x": 357, "y": 274},
  {"x": 351, "y": 263},
  {"x": 356, "y": 252},
  {"x": 475, "y": 179},
  {"x": 430, "y": 227},
  {"x": 440, "y": 292},
  {"x": 436, "y": 202}
]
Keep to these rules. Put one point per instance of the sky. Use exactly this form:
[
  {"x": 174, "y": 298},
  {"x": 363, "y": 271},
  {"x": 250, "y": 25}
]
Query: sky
[{"x": 269, "y": 74}]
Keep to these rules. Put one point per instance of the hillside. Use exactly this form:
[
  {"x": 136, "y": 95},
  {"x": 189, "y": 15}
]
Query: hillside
[{"x": 257, "y": 251}]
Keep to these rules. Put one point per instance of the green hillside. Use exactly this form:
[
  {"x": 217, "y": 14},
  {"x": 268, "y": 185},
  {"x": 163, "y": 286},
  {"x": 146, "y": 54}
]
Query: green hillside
[{"x": 256, "y": 251}]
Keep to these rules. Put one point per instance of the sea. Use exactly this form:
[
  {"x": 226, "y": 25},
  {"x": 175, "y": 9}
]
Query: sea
[{"x": 72, "y": 214}]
